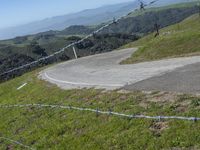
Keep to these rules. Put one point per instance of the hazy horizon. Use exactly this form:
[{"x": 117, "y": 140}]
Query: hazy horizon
[{"x": 27, "y": 11}]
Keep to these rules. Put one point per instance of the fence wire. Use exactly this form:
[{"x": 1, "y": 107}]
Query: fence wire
[
  {"x": 60, "y": 51},
  {"x": 97, "y": 111},
  {"x": 70, "y": 45}
]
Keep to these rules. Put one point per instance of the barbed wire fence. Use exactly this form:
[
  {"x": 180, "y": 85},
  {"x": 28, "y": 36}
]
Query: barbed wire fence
[
  {"x": 31, "y": 65},
  {"x": 98, "y": 112},
  {"x": 114, "y": 21},
  {"x": 58, "y": 52},
  {"x": 17, "y": 143}
]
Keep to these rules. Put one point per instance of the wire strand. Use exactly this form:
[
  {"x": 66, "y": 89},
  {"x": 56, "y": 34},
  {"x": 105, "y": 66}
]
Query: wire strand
[
  {"x": 63, "y": 49},
  {"x": 100, "y": 111}
]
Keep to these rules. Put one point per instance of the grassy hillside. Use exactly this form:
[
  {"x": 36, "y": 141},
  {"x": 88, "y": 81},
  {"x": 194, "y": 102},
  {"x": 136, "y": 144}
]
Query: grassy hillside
[
  {"x": 181, "y": 39},
  {"x": 157, "y": 9},
  {"x": 47, "y": 128}
]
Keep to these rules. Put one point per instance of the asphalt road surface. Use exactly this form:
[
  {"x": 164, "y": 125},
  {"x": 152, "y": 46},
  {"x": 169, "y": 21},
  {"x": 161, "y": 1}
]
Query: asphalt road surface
[
  {"x": 183, "y": 80},
  {"x": 104, "y": 71}
]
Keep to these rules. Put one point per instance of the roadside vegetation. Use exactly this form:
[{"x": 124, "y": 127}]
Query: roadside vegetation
[
  {"x": 55, "y": 128},
  {"x": 178, "y": 40}
]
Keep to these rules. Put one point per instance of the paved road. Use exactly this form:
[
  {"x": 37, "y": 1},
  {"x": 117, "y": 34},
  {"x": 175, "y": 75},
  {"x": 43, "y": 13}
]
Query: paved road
[
  {"x": 104, "y": 71},
  {"x": 184, "y": 80}
]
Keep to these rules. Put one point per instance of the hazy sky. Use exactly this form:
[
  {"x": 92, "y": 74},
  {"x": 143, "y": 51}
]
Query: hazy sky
[{"x": 15, "y": 12}]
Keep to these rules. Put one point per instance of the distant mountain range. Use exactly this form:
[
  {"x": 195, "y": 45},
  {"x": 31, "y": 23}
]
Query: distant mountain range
[{"x": 85, "y": 17}]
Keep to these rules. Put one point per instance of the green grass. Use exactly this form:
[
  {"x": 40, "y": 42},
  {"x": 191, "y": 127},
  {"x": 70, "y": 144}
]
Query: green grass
[
  {"x": 178, "y": 40},
  {"x": 65, "y": 129},
  {"x": 157, "y": 9}
]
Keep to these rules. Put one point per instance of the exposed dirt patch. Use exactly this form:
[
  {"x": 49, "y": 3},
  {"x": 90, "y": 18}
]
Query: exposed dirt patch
[
  {"x": 158, "y": 127},
  {"x": 159, "y": 97},
  {"x": 163, "y": 97}
]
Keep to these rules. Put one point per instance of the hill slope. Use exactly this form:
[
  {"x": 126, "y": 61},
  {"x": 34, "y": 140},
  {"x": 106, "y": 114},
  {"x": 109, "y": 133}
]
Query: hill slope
[
  {"x": 86, "y": 17},
  {"x": 55, "y": 128},
  {"x": 181, "y": 39}
]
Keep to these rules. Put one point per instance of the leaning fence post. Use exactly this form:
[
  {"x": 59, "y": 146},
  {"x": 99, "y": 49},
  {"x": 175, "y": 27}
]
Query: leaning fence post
[{"x": 75, "y": 54}]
